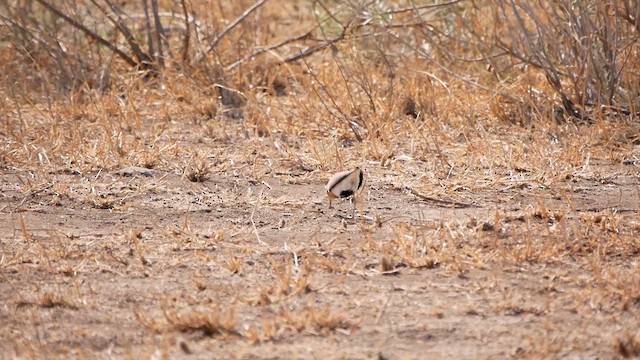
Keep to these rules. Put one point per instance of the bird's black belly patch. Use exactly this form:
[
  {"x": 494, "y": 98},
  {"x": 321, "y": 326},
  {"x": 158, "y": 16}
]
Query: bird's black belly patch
[{"x": 346, "y": 193}]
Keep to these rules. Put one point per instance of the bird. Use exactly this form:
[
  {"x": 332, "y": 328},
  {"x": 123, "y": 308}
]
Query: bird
[{"x": 345, "y": 184}]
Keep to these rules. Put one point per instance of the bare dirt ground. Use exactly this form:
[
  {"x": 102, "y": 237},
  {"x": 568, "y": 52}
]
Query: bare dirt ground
[{"x": 251, "y": 264}]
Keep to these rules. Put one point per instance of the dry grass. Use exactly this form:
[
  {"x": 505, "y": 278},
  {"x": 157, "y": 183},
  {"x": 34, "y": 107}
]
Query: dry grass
[
  {"x": 628, "y": 346},
  {"x": 176, "y": 205}
]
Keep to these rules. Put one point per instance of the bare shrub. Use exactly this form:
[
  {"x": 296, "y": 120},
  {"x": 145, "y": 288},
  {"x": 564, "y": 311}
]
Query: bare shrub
[{"x": 584, "y": 49}]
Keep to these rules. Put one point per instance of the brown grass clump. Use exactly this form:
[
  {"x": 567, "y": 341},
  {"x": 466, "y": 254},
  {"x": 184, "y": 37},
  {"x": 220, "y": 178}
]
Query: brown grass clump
[
  {"x": 53, "y": 300},
  {"x": 316, "y": 320},
  {"x": 210, "y": 323},
  {"x": 288, "y": 282},
  {"x": 49, "y": 300},
  {"x": 197, "y": 169},
  {"x": 307, "y": 320},
  {"x": 628, "y": 346}
]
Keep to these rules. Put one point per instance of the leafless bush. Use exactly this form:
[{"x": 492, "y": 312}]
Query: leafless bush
[
  {"x": 356, "y": 52},
  {"x": 70, "y": 43},
  {"x": 585, "y": 49}
]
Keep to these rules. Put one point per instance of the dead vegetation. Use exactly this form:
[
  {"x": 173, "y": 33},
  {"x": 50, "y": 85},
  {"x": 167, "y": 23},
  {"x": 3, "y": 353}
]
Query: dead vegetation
[{"x": 162, "y": 168}]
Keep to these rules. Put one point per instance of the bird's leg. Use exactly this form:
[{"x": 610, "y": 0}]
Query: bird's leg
[
  {"x": 353, "y": 199},
  {"x": 330, "y": 196}
]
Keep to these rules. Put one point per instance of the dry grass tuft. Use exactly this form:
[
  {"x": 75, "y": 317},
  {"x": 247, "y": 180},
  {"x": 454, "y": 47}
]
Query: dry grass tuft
[
  {"x": 210, "y": 322},
  {"x": 628, "y": 346},
  {"x": 288, "y": 283},
  {"x": 387, "y": 264},
  {"x": 198, "y": 169},
  {"x": 316, "y": 320},
  {"x": 49, "y": 300},
  {"x": 235, "y": 265}
]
